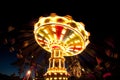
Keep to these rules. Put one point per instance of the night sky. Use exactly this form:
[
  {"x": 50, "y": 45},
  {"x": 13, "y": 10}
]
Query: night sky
[{"x": 100, "y": 19}]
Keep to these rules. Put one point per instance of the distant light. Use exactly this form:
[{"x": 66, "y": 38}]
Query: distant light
[
  {"x": 28, "y": 72},
  {"x": 32, "y": 56}
]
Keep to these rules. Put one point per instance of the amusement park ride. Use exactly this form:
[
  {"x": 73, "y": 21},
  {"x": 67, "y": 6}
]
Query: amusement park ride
[{"x": 60, "y": 36}]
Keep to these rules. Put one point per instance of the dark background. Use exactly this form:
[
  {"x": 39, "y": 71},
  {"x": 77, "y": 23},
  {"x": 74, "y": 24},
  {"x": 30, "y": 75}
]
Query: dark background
[{"x": 101, "y": 19}]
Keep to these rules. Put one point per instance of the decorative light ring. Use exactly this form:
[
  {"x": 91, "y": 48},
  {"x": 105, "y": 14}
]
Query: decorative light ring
[{"x": 64, "y": 32}]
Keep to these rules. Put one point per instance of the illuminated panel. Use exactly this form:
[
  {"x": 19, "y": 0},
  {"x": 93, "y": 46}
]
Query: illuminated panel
[{"x": 58, "y": 31}]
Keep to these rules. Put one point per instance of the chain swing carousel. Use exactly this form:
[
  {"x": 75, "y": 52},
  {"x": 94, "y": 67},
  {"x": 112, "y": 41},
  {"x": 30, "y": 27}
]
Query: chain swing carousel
[{"x": 60, "y": 36}]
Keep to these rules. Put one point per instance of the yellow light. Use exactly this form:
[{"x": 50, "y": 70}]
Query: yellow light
[
  {"x": 61, "y": 36},
  {"x": 41, "y": 34},
  {"x": 28, "y": 72},
  {"x": 47, "y": 79},
  {"x": 53, "y": 29},
  {"x": 63, "y": 31},
  {"x": 77, "y": 41},
  {"x": 55, "y": 77},
  {"x": 45, "y": 31},
  {"x": 49, "y": 37},
  {"x": 63, "y": 78},
  {"x": 78, "y": 46},
  {"x": 61, "y": 73},
  {"x": 60, "y": 77},
  {"x": 55, "y": 36},
  {"x": 72, "y": 35},
  {"x": 49, "y": 73}
]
